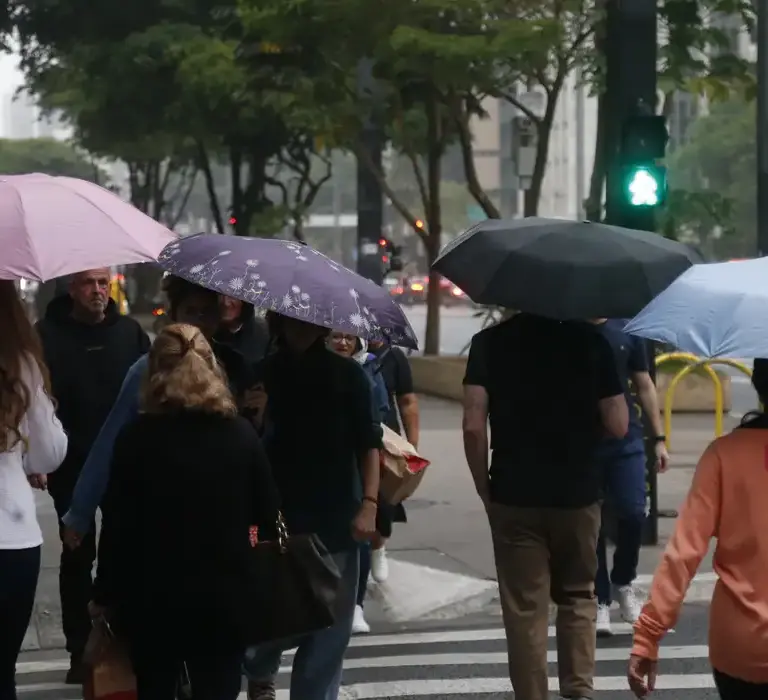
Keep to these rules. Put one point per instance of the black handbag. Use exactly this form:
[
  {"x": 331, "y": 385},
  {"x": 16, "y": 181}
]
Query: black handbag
[{"x": 294, "y": 586}]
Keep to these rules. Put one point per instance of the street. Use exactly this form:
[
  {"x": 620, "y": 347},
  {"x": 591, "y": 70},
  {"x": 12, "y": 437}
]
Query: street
[
  {"x": 440, "y": 661},
  {"x": 436, "y": 622}
]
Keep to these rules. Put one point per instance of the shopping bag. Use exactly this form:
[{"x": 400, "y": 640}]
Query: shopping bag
[
  {"x": 110, "y": 674},
  {"x": 402, "y": 468},
  {"x": 295, "y": 586}
]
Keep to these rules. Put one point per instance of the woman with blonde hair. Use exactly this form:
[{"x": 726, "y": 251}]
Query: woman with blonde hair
[
  {"x": 32, "y": 445},
  {"x": 188, "y": 479}
]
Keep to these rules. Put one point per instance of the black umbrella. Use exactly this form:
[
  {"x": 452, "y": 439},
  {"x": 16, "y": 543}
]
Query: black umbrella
[{"x": 563, "y": 269}]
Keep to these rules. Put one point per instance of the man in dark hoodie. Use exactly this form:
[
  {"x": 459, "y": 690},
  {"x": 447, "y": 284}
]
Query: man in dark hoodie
[
  {"x": 242, "y": 330},
  {"x": 88, "y": 348}
]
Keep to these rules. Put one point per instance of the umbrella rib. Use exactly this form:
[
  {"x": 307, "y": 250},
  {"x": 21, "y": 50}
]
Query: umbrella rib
[{"x": 30, "y": 241}]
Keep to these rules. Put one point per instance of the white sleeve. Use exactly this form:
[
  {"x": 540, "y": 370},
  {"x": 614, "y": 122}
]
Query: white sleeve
[{"x": 46, "y": 441}]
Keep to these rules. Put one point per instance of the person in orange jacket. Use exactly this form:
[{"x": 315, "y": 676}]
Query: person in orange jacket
[{"x": 728, "y": 500}]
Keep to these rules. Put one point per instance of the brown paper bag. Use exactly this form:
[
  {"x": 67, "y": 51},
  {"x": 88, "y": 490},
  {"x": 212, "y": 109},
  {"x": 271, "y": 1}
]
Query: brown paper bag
[
  {"x": 110, "y": 673},
  {"x": 402, "y": 468}
]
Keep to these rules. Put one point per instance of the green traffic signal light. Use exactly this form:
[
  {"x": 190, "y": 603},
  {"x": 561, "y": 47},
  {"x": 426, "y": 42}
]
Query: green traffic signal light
[{"x": 644, "y": 185}]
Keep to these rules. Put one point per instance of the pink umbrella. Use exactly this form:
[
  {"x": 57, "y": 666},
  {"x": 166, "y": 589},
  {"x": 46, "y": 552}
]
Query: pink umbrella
[{"x": 56, "y": 226}]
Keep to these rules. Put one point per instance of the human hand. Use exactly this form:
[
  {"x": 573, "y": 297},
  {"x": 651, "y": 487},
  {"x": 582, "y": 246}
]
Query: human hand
[
  {"x": 662, "y": 457},
  {"x": 38, "y": 481},
  {"x": 72, "y": 539},
  {"x": 255, "y": 400},
  {"x": 95, "y": 610},
  {"x": 364, "y": 523},
  {"x": 641, "y": 675}
]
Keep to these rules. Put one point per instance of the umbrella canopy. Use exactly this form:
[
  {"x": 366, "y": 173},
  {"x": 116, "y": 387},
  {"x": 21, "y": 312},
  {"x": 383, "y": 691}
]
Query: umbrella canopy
[
  {"x": 56, "y": 226},
  {"x": 563, "y": 269},
  {"x": 712, "y": 310},
  {"x": 291, "y": 279}
]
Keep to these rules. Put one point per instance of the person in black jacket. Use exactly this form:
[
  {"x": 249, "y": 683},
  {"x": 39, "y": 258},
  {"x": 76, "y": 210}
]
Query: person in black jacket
[
  {"x": 89, "y": 347},
  {"x": 242, "y": 330},
  {"x": 189, "y": 478}
]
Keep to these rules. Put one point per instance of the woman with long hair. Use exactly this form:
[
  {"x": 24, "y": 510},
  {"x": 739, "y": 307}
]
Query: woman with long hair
[
  {"x": 188, "y": 479},
  {"x": 728, "y": 500},
  {"x": 32, "y": 445}
]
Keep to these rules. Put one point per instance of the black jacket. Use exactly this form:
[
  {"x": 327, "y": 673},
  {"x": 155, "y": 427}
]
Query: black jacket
[
  {"x": 87, "y": 364},
  {"x": 173, "y": 552},
  {"x": 250, "y": 340}
]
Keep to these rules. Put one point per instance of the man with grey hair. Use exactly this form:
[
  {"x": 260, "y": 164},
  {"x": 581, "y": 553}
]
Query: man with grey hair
[{"x": 88, "y": 348}]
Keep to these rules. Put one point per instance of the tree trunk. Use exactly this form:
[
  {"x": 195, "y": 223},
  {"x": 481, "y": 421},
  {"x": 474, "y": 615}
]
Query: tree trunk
[
  {"x": 204, "y": 163},
  {"x": 532, "y": 195},
  {"x": 593, "y": 207},
  {"x": 434, "y": 227}
]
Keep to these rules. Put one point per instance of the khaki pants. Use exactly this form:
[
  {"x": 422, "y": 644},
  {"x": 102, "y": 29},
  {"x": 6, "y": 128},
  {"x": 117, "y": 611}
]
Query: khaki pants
[{"x": 544, "y": 553}]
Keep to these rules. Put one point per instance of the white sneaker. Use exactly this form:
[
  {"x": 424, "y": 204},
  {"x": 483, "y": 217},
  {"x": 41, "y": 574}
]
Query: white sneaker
[
  {"x": 629, "y": 605},
  {"x": 379, "y": 565},
  {"x": 359, "y": 625},
  {"x": 603, "y": 625}
]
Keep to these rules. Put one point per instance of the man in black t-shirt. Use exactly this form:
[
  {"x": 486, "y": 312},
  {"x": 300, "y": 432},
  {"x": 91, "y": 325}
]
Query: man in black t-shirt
[{"x": 550, "y": 391}]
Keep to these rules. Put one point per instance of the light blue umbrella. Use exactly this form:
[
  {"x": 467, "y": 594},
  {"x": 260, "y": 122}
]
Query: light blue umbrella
[{"x": 711, "y": 310}]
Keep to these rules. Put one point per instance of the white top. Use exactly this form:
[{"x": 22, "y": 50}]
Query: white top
[{"x": 45, "y": 450}]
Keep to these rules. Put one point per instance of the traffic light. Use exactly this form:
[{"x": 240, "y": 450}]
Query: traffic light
[
  {"x": 643, "y": 143},
  {"x": 390, "y": 255},
  {"x": 232, "y": 220}
]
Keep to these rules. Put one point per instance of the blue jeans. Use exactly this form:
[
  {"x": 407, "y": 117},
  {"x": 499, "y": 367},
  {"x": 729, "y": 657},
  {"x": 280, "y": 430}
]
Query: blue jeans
[
  {"x": 317, "y": 665},
  {"x": 625, "y": 494}
]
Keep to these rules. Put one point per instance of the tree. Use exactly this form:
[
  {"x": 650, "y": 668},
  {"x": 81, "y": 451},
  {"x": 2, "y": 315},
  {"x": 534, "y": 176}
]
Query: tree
[
  {"x": 48, "y": 156},
  {"x": 174, "y": 77},
  {"x": 696, "y": 55},
  {"x": 426, "y": 56},
  {"x": 712, "y": 177}
]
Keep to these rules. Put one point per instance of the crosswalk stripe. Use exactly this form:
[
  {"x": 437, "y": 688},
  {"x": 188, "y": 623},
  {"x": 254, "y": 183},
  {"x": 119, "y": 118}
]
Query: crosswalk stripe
[
  {"x": 466, "y": 635},
  {"x": 376, "y": 640},
  {"x": 459, "y": 682},
  {"x": 694, "y": 651},
  {"x": 477, "y": 686}
]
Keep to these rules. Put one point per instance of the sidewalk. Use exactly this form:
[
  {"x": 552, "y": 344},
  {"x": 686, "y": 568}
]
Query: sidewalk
[{"x": 441, "y": 561}]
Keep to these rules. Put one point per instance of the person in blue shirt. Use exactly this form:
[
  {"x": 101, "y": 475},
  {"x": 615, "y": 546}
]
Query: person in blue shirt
[
  {"x": 189, "y": 304},
  {"x": 357, "y": 348},
  {"x": 623, "y": 462}
]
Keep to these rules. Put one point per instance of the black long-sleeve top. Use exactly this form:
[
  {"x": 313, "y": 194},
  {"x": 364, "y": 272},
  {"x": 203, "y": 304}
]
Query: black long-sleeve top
[{"x": 185, "y": 489}]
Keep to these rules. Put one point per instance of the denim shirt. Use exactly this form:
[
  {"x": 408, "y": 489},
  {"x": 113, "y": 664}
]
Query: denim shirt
[
  {"x": 379, "y": 393},
  {"x": 94, "y": 477}
]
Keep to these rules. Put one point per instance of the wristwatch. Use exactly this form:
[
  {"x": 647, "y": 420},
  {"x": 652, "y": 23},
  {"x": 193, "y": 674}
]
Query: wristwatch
[{"x": 660, "y": 438}]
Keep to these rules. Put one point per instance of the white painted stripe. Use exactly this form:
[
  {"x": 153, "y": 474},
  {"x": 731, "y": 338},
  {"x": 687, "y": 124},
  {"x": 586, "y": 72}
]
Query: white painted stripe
[
  {"x": 376, "y": 640},
  {"x": 704, "y": 577},
  {"x": 479, "y": 659},
  {"x": 468, "y": 635},
  {"x": 477, "y": 686}
]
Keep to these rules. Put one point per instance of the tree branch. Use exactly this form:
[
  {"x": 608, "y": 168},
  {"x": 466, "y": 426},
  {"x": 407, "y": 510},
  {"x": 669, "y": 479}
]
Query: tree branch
[
  {"x": 364, "y": 157},
  {"x": 204, "y": 164},
  {"x": 191, "y": 180},
  {"x": 461, "y": 120}
]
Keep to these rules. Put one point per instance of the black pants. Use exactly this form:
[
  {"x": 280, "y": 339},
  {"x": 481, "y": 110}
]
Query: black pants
[
  {"x": 214, "y": 673},
  {"x": 75, "y": 577},
  {"x": 19, "y": 570},
  {"x": 731, "y": 688}
]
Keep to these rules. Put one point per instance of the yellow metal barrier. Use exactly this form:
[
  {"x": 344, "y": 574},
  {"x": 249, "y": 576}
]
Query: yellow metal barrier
[
  {"x": 694, "y": 361},
  {"x": 707, "y": 364}
]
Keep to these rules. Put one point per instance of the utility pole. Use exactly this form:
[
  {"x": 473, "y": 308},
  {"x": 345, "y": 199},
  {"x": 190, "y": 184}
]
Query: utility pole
[
  {"x": 631, "y": 52},
  {"x": 370, "y": 205},
  {"x": 762, "y": 124}
]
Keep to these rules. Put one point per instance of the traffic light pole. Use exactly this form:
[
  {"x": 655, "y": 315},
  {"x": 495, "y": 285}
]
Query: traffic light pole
[
  {"x": 370, "y": 205},
  {"x": 631, "y": 48}
]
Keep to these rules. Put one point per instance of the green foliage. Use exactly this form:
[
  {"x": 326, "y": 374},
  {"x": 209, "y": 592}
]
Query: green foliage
[
  {"x": 49, "y": 156},
  {"x": 712, "y": 181}
]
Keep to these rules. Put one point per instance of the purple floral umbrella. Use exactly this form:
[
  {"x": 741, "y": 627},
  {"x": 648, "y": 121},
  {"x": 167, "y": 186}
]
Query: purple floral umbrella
[{"x": 291, "y": 279}]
